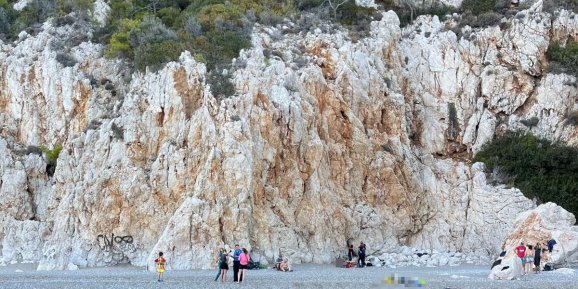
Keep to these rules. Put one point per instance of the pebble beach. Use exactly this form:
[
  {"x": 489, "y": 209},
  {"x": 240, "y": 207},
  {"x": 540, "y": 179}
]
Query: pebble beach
[{"x": 303, "y": 276}]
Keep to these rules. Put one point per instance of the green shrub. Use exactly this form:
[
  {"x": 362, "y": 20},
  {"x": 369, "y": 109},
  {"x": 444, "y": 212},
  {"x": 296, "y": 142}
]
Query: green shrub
[
  {"x": 169, "y": 15},
  {"x": 156, "y": 54},
  {"x": 483, "y": 20},
  {"x": 551, "y": 6},
  {"x": 565, "y": 56},
  {"x": 119, "y": 45},
  {"x": 541, "y": 169},
  {"x": 221, "y": 85},
  {"x": 7, "y": 15},
  {"x": 351, "y": 14},
  {"x": 150, "y": 30},
  {"x": 308, "y": 4},
  {"x": 51, "y": 157},
  {"x": 222, "y": 46},
  {"x": 407, "y": 15},
  {"x": 78, "y": 6},
  {"x": 478, "y": 7}
]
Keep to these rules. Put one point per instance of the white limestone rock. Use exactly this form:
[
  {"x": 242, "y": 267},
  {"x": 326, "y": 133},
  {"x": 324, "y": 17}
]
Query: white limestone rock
[
  {"x": 369, "y": 138},
  {"x": 509, "y": 267},
  {"x": 548, "y": 221},
  {"x": 100, "y": 13}
]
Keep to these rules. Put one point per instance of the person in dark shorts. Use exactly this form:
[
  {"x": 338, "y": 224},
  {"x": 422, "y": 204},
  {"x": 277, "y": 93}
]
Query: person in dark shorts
[
  {"x": 537, "y": 258},
  {"x": 224, "y": 261},
  {"x": 350, "y": 252},
  {"x": 236, "y": 264},
  {"x": 244, "y": 259},
  {"x": 361, "y": 260}
]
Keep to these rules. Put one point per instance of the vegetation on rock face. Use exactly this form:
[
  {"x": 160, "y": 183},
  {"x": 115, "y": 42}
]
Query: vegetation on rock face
[
  {"x": 51, "y": 157},
  {"x": 551, "y": 6},
  {"x": 35, "y": 13},
  {"x": 563, "y": 59},
  {"x": 541, "y": 169},
  {"x": 406, "y": 16}
]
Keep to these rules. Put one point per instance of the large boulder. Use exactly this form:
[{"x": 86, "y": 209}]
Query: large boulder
[
  {"x": 546, "y": 222},
  {"x": 507, "y": 267}
]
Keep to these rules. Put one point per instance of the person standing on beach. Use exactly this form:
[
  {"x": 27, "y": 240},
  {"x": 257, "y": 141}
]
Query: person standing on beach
[
  {"x": 244, "y": 259},
  {"x": 224, "y": 265},
  {"x": 529, "y": 259},
  {"x": 219, "y": 258},
  {"x": 521, "y": 252},
  {"x": 350, "y": 252},
  {"x": 160, "y": 261},
  {"x": 361, "y": 260},
  {"x": 236, "y": 263},
  {"x": 537, "y": 258}
]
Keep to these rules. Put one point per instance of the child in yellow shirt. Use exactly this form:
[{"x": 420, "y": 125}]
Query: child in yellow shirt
[{"x": 160, "y": 261}]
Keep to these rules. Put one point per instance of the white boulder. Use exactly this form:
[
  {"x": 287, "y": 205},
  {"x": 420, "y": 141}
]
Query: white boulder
[{"x": 546, "y": 222}]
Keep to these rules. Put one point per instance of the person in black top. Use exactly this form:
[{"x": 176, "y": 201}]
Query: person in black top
[
  {"x": 537, "y": 257},
  {"x": 361, "y": 260},
  {"x": 350, "y": 252}
]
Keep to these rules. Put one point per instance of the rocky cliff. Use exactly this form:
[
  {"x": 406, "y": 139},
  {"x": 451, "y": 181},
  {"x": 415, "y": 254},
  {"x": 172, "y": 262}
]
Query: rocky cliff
[{"x": 326, "y": 140}]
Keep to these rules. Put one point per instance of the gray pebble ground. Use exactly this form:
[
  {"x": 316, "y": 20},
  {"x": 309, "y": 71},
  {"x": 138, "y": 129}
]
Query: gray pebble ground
[{"x": 304, "y": 276}]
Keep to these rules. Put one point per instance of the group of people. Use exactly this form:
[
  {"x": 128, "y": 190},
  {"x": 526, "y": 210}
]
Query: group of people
[
  {"x": 531, "y": 255},
  {"x": 241, "y": 260},
  {"x": 360, "y": 256}
]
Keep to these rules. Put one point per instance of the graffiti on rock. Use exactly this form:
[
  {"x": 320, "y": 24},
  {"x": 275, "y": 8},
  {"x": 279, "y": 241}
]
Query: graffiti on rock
[{"x": 116, "y": 246}]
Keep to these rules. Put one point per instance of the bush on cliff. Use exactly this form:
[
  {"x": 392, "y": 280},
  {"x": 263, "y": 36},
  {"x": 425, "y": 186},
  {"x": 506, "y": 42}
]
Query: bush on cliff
[
  {"x": 564, "y": 58},
  {"x": 51, "y": 157},
  {"x": 408, "y": 15},
  {"x": 539, "y": 168}
]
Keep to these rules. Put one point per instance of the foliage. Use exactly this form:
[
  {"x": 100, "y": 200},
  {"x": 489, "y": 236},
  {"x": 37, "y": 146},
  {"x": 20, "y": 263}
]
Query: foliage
[
  {"x": 65, "y": 59},
  {"x": 408, "y": 15},
  {"x": 7, "y": 15},
  {"x": 79, "y": 6},
  {"x": 478, "y": 7},
  {"x": 51, "y": 157},
  {"x": 308, "y": 4},
  {"x": 485, "y": 13},
  {"x": 51, "y": 154},
  {"x": 150, "y": 30},
  {"x": 119, "y": 45},
  {"x": 157, "y": 53},
  {"x": 36, "y": 12},
  {"x": 221, "y": 85},
  {"x": 551, "y": 6},
  {"x": 169, "y": 15},
  {"x": 483, "y": 20},
  {"x": 539, "y": 168},
  {"x": 351, "y": 14},
  {"x": 565, "y": 56}
]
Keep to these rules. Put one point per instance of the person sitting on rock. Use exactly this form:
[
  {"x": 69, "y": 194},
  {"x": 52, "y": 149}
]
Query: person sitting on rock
[
  {"x": 278, "y": 262},
  {"x": 285, "y": 267}
]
